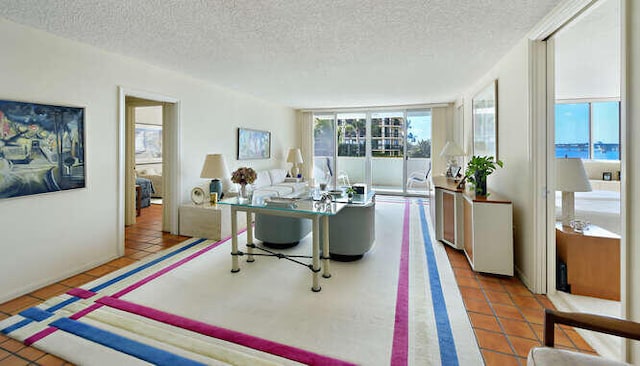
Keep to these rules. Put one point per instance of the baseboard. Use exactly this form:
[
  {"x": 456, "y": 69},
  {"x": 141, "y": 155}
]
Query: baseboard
[
  {"x": 51, "y": 280},
  {"x": 522, "y": 277}
]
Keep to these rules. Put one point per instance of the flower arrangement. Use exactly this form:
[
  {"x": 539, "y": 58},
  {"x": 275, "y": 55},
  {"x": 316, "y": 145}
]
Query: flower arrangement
[{"x": 244, "y": 175}]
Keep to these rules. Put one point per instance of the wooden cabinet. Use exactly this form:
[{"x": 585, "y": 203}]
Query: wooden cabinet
[
  {"x": 448, "y": 207},
  {"x": 593, "y": 261},
  {"x": 488, "y": 234}
]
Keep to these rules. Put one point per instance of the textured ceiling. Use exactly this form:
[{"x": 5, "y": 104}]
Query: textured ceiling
[{"x": 303, "y": 53}]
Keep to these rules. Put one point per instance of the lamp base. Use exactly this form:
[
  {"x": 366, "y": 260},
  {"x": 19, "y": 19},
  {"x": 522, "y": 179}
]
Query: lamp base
[
  {"x": 216, "y": 187},
  {"x": 568, "y": 210}
]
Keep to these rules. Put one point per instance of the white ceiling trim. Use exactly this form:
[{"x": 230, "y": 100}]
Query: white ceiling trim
[{"x": 558, "y": 18}]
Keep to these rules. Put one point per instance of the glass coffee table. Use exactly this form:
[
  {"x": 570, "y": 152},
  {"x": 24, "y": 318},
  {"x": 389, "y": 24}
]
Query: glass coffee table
[{"x": 317, "y": 211}]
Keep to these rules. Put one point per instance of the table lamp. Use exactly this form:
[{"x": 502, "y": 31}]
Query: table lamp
[
  {"x": 214, "y": 168},
  {"x": 295, "y": 157},
  {"x": 570, "y": 177},
  {"x": 451, "y": 151}
]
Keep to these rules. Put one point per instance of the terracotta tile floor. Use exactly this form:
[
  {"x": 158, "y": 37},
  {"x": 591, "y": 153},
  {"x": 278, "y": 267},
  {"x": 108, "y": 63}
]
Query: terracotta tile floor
[{"x": 507, "y": 318}]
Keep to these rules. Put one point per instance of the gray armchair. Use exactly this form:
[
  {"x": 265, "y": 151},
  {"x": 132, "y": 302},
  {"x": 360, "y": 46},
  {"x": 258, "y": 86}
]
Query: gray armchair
[
  {"x": 352, "y": 232},
  {"x": 281, "y": 232}
]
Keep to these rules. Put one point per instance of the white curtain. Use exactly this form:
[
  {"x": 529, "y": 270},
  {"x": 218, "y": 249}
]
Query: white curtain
[{"x": 305, "y": 119}]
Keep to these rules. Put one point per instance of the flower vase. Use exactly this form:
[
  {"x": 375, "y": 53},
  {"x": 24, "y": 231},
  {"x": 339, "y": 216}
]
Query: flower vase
[
  {"x": 481, "y": 185},
  {"x": 244, "y": 192}
]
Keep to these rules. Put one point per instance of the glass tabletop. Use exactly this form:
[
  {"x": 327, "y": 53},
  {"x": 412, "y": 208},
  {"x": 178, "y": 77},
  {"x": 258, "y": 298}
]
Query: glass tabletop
[{"x": 302, "y": 205}]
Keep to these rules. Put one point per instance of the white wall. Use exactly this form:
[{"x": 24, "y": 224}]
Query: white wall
[
  {"x": 514, "y": 148},
  {"x": 588, "y": 54},
  {"x": 52, "y": 236}
]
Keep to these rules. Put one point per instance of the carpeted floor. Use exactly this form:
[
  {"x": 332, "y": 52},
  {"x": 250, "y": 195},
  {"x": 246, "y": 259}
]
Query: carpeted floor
[{"x": 398, "y": 305}]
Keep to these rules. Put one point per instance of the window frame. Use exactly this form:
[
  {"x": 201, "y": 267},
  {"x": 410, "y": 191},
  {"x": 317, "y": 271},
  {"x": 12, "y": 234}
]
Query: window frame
[{"x": 590, "y": 102}]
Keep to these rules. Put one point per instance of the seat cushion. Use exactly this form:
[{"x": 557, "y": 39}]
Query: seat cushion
[
  {"x": 552, "y": 356},
  {"x": 277, "y": 175},
  {"x": 262, "y": 179}
]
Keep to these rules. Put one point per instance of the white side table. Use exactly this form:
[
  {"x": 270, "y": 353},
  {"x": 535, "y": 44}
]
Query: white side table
[{"x": 207, "y": 221}]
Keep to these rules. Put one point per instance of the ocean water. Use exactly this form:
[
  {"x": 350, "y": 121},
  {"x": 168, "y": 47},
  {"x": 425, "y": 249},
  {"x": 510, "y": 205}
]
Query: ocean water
[{"x": 607, "y": 152}]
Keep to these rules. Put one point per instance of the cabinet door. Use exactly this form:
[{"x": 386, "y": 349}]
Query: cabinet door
[{"x": 449, "y": 217}]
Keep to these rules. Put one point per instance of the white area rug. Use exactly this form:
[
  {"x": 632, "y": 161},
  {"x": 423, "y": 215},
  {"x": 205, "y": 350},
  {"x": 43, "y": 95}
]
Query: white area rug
[{"x": 399, "y": 305}]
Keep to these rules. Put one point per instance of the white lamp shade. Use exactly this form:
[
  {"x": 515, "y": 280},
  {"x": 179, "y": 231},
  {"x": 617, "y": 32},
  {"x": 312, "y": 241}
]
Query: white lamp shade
[
  {"x": 571, "y": 176},
  {"x": 294, "y": 156},
  {"x": 451, "y": 149},
  {"x": 214, "y": 167}
]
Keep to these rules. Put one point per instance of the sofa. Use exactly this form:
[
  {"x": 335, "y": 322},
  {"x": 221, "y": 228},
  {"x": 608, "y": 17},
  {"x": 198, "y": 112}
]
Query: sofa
[{"x": 272, "y": 183}]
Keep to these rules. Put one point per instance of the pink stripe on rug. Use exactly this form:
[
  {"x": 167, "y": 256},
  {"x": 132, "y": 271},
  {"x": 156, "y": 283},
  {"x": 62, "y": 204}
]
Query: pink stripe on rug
[
  {"x": 179, "y": 263},
  {"x": 264, "y": 345},
  {"x": 81, "y": 293},
  {"x": 38, "y": 336},
  {"x": 44, "y": 333},
  {"x": 400, "y": 350}
]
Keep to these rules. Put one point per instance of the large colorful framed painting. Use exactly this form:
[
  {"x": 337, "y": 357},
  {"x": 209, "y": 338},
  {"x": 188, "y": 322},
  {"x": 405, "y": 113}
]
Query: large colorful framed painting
[
  {"x": 42, "y": 148},
  {"x": 253, "y": 144}
]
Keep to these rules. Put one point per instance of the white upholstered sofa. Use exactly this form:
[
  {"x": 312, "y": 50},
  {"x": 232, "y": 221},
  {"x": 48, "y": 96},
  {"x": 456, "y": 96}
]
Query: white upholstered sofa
[{"x": 274, "y": 183}]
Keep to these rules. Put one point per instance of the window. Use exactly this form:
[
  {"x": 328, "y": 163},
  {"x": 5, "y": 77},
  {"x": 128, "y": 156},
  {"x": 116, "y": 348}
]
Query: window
[
  {"x": 352, "y": 134},
  {"x": 387, "y": 134},
  {"x": 589, "y": 130}
]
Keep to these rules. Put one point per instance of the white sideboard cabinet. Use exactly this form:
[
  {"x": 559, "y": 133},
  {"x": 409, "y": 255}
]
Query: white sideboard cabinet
[
  {"x": 208, "y": 221},
  {"x": 488, "y": 234}
]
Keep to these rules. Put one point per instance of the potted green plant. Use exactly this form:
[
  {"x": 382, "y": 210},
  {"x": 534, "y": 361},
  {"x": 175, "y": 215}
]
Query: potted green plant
[
  {"x": 350, "y": 192},
  {"x": 478, "y": 169}
]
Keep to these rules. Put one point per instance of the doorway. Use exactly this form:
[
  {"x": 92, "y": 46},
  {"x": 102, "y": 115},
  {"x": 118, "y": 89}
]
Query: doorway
[
  {"x": 584, "y": 217},
  {"x": 129, "y": 101}
]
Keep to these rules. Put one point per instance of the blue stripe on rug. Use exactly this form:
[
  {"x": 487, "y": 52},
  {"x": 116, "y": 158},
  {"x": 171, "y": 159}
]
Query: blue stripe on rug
[
  {"x": 114, "y": 280},
  {"x": 448, "y": 354},
  {"x": 36, "y": 314},
  {"x": 117, "y": 342}
]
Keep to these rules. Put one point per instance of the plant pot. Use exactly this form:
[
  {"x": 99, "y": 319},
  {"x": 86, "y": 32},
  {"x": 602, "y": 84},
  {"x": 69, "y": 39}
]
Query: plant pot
[{"x": 481, "y": 185}]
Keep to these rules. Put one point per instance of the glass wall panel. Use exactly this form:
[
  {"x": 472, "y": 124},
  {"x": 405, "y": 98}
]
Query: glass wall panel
[
  {"x": 352, "y": 148},
  {"x": 387, "y": 150},
  {"x": 572, "y": 130},
  {"x": 323, "y": 149},
  {"x": 606, "y": 130},
  {"x": 418, "y": 151}
]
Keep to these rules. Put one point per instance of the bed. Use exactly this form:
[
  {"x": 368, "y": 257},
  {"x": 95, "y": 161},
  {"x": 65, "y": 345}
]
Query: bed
[{"x": 601, "y": 208}]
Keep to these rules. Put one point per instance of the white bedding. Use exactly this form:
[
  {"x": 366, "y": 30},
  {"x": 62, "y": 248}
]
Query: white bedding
[{"x": 601, "y": 208}]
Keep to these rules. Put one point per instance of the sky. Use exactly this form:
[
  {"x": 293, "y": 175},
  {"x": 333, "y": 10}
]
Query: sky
[{"x": 572, "y": 123}]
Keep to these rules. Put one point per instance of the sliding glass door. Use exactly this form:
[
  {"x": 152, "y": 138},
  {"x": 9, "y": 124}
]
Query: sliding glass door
[
  {"x": 390, "y": 151},
  {"x": 418, "y": 162},
  {"x": 352, "y": 148},
  {"x": 324, "y": 149},
  {"x": 387, "y": 150}
]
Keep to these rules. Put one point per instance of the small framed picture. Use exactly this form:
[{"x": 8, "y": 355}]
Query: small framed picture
[{"x": 606, "y": 175}]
